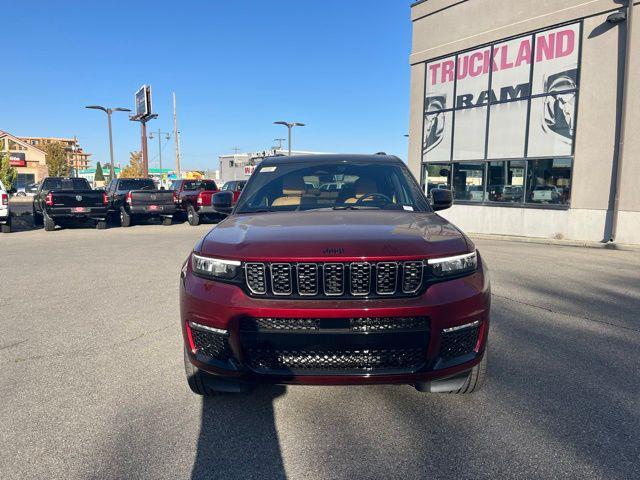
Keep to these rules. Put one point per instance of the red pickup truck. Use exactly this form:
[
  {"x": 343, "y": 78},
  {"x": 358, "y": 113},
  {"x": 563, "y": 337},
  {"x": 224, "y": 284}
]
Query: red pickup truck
[
  {"x": 194, "y": 199},
  {"x": 335, "y": 270}
]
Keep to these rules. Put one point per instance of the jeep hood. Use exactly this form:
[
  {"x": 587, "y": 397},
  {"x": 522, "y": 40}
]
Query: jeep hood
[{"x": 345, "y": 235}]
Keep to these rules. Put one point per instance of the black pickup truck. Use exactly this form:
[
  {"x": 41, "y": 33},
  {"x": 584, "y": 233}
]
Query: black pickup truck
[
  {"x": 62, "y": 201},
  {"x": 131, "y": 198}
]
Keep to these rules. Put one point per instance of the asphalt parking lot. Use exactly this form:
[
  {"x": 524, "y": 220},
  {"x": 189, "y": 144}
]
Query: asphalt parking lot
[{"x": 92, "y": 382}]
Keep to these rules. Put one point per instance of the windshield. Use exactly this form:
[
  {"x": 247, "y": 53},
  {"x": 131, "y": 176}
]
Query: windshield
[
  {"x": 65, "y": 184},
  {"x": 336, "y": 185},
  {"x": 140, "y": 184}
]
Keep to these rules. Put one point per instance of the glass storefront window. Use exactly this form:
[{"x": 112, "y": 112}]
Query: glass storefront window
[
  {"x": 437, "y": 175},
  {"x": 469, "y": 133},
  {"x": 551, "y": 125},
  {"x": 549, "y": 181},
  {"x": 436, "y": 144},
  {"x": 505, "y": 181},
  {"x": 468, "y": 182},
  {"x": 507, "y": 127}
]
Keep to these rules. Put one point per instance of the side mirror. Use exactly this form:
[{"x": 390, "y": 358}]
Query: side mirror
[
  {"x": 222, "y": 202},
  {"x": 441, "y": 199}
]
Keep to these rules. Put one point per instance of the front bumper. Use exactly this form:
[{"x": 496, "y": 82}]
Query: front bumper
[{"x": 447, "y": 305}]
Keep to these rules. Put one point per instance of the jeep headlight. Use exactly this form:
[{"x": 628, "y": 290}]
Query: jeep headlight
[
  {"x": 450, "y": 266},
  {"x": 215, "y": 267}
]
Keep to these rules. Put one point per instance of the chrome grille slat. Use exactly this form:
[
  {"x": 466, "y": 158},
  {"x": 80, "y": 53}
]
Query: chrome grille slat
[
  {"x": 281, "y": 283},
  {"x": 333, "y": 279},
  {"x": 386, "y": 278},
  {"x": 360, "y": 278},
  {"x": 255, "y": 278},
  {"x": 307, "y": 276},
  {"x": 412, "y": 272}
]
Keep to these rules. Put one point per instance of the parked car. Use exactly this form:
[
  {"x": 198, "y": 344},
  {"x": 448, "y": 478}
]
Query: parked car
[
  {"x": 194, "y": 199},
  {"x": 138, "y": 198},
  {"x": 5, "y": 213},
  {"x": 367, "y": 286},
  {"x": 545, "y": 194},
  {"x": 235, "y": 187},
  {"x": 28, "y": 190},
  {"x": 505, "y": 193},
  {"x": 63, "y": 201}
]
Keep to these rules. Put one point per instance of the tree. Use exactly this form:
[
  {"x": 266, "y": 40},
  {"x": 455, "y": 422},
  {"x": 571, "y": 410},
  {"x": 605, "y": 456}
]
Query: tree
[
  {"x": 56, "y": 159},
  {"x": 99, "y": 176},
  {"x": 135, "y": 168},
  {"x": 8, "y": 174}
]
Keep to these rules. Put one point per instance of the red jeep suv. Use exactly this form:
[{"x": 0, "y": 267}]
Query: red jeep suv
[{"x": 335, "y": 270}]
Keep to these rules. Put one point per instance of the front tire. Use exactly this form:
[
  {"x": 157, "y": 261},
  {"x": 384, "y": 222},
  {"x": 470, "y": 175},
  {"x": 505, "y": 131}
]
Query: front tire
[
  {"x": 125, "y": 218},
  {"x": 196, "y": 378},
  {"x": 476, "y": 378},
  {"x": 192, "y": 216}
]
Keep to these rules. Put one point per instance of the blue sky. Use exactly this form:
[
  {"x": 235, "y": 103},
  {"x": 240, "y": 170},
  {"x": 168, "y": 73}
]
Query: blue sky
[{"x": 236, "y": 66}]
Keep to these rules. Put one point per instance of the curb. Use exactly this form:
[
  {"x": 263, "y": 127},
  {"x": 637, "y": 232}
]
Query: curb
[{"x": 553, "y": 241}]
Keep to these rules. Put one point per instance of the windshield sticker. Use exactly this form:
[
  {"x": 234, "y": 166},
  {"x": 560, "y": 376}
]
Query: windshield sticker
[
  {"x": 408, "y": 208},
  {"x": 267, "y": 169}
]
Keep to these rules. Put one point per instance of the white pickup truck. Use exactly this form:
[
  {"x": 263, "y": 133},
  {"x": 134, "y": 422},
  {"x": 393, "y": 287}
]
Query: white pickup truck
[{"x": 5, "y": 216}]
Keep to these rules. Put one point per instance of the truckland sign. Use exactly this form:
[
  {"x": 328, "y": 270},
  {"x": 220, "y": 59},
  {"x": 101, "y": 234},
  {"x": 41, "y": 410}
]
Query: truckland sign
[{"x": 540, "y": 69}]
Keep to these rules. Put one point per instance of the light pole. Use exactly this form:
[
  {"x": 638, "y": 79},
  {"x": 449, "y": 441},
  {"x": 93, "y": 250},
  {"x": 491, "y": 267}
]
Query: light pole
[
  {"x": 109, "y": 111},
  {"x": 279, "y": 140},
  {"x": 289, "y": 126},
  {"x": 168, "y": 136}
]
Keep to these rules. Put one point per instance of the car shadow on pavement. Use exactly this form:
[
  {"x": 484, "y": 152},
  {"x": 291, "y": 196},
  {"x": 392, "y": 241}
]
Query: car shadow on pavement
[{"x": 238, "y": 436}]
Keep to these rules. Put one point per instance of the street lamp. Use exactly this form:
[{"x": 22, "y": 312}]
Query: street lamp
[
  {"x": 109, "y": 111},
  {"x": 289, "y": 126}
]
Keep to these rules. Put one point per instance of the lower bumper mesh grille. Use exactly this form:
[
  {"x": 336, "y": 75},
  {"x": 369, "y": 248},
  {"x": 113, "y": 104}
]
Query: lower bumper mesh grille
[
  {"x": 363, "y": 360},
  {"x": 282, "y": 346},
  {"x": 211, "y": 344},
  {"x": 459, "y": 342}
]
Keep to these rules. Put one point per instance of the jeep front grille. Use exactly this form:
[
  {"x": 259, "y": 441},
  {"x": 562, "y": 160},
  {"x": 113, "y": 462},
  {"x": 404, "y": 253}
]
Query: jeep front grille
[{"x": 333, "y": 279}]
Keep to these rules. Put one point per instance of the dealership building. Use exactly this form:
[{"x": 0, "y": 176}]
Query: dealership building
[
  {"x": 28, "y": 160},
  {"x": 519, "y": 108}
]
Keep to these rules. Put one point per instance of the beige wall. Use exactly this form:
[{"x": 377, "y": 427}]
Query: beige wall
[{"x": 441, "y": 27}]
